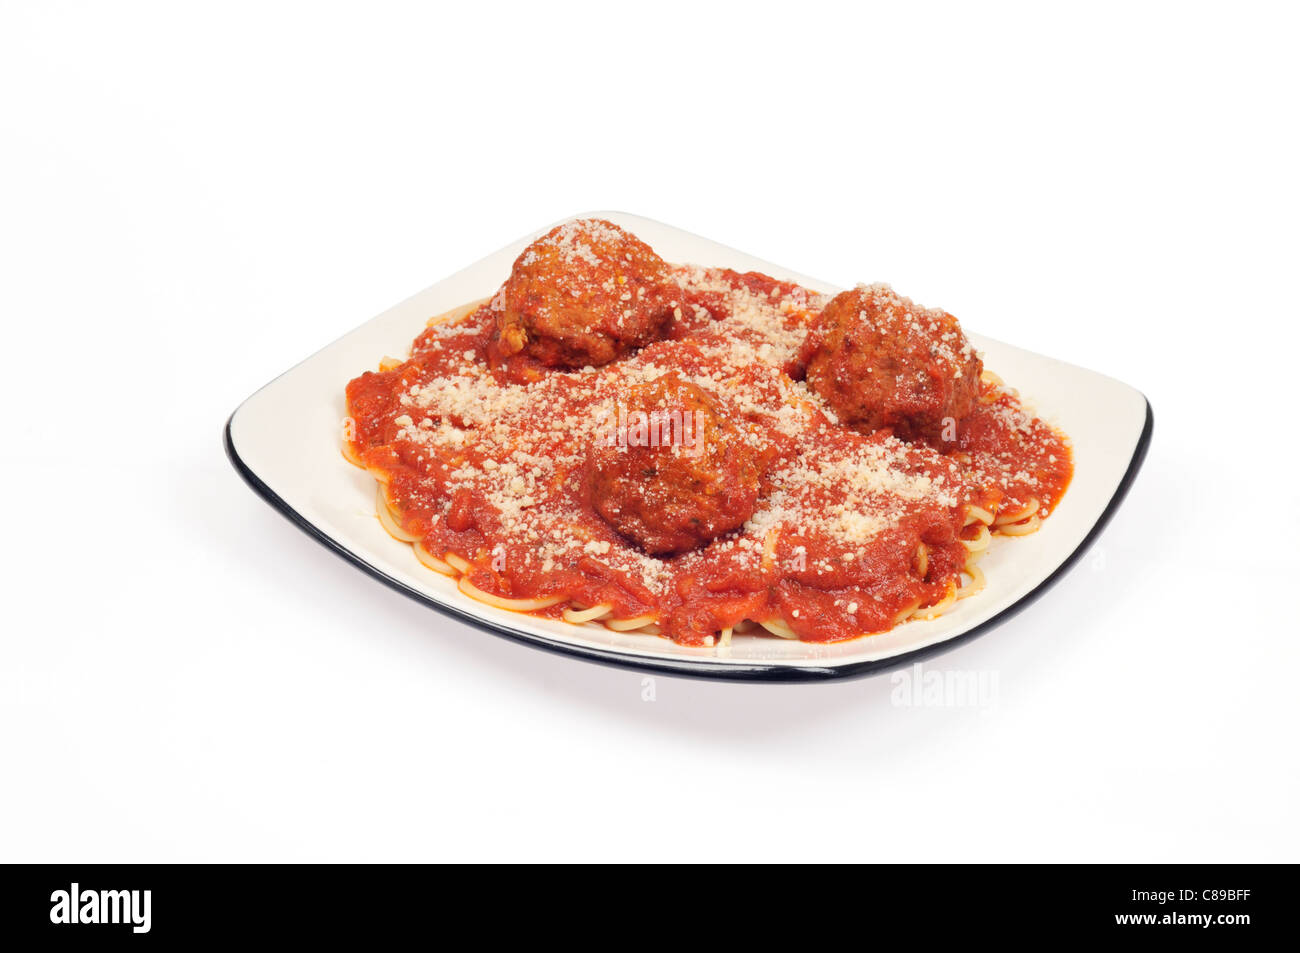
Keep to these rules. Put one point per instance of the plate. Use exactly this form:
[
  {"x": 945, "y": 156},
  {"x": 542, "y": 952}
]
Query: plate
[{"x": 284, "y": 441}]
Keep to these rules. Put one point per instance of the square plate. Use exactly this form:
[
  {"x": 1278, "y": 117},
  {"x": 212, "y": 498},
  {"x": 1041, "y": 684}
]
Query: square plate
[{"x": 285, "y": 439}]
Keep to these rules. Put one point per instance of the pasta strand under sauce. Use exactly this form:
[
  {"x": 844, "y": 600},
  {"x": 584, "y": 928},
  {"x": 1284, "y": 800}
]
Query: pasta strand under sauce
[{"x": 483, "y": 462}]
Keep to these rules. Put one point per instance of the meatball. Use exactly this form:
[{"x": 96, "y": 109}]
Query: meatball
[
  {"x": 675, "y": 472},
  {"x": 880, "y": 360},
  {"x": 585, "y": 293}
]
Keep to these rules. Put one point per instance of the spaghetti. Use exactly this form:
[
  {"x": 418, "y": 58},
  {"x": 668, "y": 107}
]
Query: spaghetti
[{"x": 483, "y": 467}]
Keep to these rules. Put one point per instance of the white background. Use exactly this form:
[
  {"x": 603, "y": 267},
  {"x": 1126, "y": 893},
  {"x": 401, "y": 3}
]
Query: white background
[{"x": 193, "y": 200}]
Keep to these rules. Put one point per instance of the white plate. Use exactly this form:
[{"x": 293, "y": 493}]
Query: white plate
[{"x": 284, "y": 440}]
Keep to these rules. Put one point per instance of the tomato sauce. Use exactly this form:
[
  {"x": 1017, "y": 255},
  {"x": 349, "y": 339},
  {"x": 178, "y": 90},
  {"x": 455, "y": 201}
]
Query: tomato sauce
[{"x": 852, "y": 531}]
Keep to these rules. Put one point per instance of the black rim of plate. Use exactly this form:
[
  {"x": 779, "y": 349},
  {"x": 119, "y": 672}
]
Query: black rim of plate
[{"x": 705, "y": 668}]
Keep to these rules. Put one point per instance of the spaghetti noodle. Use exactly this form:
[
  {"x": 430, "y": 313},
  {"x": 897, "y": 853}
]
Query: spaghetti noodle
[{"x": 481, "y": 468}]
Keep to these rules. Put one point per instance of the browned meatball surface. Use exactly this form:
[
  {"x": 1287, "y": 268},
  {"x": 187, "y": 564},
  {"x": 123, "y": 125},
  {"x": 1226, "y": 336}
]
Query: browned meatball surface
[
  {"x": 880, "y": 360},
  {"x": 584, "y": 293},
  {"x": 686, "y": 473}
]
